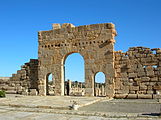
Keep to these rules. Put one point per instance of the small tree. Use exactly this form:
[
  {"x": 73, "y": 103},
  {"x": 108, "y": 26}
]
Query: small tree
[{"x": 2, "y": 94}]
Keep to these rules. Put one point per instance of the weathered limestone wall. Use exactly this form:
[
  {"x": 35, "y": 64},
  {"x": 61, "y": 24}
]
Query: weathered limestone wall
[
  {"x": 94, "y": 42},
  {"x": 23, "y": 80},
  {"x": 138, "y": 73},
  {"x": 4, "y": 82}
]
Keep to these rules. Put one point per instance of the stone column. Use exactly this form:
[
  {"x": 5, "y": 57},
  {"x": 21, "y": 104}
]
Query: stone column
[
  {"x": 109, "y": 87},
  {"x": 80, "y": 85},
  {"x": 77, "y": 83},
  {"x": 41, "y": 90},
  {"x": 110, "y": 73},
  {"x": 41, "y": 83},
  {"x": 47, "y": 86},
  {"x": 102, "y": 90},
  {"x": 70, "y": 86},
  {"x": 59, "y": 80},
  {"x": 89, "y": 83}
]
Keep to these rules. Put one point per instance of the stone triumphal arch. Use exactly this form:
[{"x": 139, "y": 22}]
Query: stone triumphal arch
[{"x": 94, "y": 42}]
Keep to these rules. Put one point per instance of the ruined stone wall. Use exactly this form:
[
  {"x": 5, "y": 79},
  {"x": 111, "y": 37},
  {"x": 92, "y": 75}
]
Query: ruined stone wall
[
  {"x": 4, "y": 82},
  {"x": 138, "y": 73},
  {"x": 134, "y": 74},
  {"x": 23, "y": 80},
  {"x": 94, "y": 42}
]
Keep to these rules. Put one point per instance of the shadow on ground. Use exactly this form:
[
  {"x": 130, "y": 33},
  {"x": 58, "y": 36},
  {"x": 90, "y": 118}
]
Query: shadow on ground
[{"x": 152, "y": 114}]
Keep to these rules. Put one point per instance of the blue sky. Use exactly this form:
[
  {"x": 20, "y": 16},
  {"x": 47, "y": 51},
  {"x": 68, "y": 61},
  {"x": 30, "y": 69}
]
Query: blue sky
[{"x": 138, "y": 23}]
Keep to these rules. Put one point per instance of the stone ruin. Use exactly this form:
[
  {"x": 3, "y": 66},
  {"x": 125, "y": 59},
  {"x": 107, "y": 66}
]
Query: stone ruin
[{"x": 134, "y": 74}]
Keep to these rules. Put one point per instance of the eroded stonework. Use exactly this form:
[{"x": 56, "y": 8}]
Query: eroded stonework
[
  {"x": 134, "y": 74},
  {"x": 138, "y": 73},
  {"x": 94, "y": 42}
]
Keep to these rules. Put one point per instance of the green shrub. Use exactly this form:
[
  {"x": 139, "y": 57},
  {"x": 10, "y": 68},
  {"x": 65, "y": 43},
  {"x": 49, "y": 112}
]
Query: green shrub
[{"x": 2, "y": 94}]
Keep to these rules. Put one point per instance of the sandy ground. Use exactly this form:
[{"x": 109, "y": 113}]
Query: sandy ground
[{"x": 15, "y": 107}]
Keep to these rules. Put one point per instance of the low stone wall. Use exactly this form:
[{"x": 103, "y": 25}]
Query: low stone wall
[
  {"x": 4, "y": 83},
  {"x": 138, "y": 73}
]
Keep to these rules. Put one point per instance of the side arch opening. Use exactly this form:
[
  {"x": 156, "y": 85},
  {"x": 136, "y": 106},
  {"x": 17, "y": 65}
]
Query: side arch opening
[
  {"x": 50, "y": 84},
  {"x": 99, "y": 86}
]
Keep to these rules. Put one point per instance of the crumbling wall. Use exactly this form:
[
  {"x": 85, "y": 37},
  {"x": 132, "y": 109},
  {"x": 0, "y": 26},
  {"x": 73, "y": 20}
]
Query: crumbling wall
[
  {"x": 23, "y": 80},
  {"x": 4, "y": 83},
  {"x": 138, "y": 73}
]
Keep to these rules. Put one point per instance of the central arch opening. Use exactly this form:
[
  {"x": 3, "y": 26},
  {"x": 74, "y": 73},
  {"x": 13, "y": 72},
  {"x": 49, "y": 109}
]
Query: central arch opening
[{"x": 74, "y": 84}]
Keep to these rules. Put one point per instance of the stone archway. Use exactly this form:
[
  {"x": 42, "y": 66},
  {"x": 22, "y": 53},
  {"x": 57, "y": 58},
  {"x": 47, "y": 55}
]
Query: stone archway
[
  {"x": 94, "y": 42},
  {"x": 50, "y": 84},
  {"x": 99, "y": 87},
  {"x": 74, "y": 74}
]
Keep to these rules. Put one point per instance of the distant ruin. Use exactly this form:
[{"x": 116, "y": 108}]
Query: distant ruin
[{"x": 134, "y": 74}]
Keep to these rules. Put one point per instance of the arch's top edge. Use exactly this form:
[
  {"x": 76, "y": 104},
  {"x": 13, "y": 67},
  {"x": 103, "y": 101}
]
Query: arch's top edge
[
  {"x": 64, "y": 25},
  {"x": 69, "y": 25},
  {"x": 58, "y": 26},
  {"x": 70, "y": 53},
  {"x": 69, "y": 31}
]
